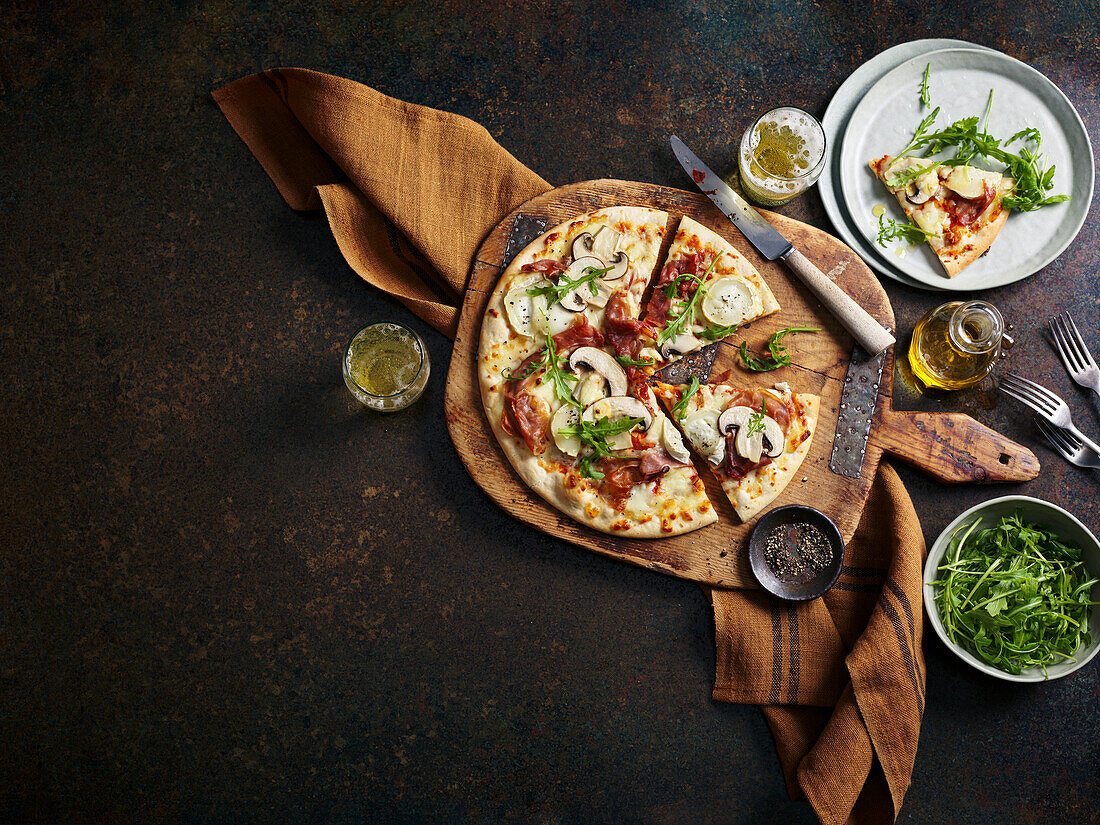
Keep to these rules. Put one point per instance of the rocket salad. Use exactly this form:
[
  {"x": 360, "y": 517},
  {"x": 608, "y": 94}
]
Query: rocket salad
[{"x": 1014, "y": 595}]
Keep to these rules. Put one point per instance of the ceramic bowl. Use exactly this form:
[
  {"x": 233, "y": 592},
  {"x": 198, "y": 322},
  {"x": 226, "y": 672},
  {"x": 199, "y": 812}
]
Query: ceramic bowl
[
  {"x": 795, "y": 586},
  {"x": 1058, "y": 521}
]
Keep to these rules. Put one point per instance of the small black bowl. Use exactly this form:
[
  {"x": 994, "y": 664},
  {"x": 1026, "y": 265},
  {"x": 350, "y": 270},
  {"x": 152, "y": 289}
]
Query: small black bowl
[{"x": 797, "y": 575}]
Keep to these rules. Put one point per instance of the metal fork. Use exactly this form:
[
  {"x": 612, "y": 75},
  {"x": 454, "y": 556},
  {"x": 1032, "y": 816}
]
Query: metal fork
[
  {"x": 1068, "y": 446},
  {"x": 1079, "y": 362},
  {"x": 1044, "y": 402}
]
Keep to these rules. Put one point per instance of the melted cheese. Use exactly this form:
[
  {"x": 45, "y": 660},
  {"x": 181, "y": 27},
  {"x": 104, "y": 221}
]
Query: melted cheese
[{"x": 930, "y": 218}]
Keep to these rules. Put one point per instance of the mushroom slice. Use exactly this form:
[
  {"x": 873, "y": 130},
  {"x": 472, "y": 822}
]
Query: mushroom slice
[
  {"x": 774, "y": 443},
  {"x": 752, "y": 446},
  {"x": 604, "y": 243},
  {"x": 673, "y": 443},
  {"x": 730, "y": 301},
  {"x": 576, "y": 299},
  {"x": 582, "y": 245},
  {"x": 619, "y": 264},
  {"x": 566, "y": 416},
  {"x": 746, "y": 445},
  {"x": 615, "y": 408},
  {"x": 599, "y": 361},
  {"x": 682, "y": 344},
  {"x": 701, "y": 428},
  {"x": 923, "y": 188}
]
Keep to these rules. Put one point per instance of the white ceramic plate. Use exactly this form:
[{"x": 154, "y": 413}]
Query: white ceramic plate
[
  {"x": 1058, "y": 521},
  {"x": 884, "y": 122},
  {"x": 835, "y": 121}
]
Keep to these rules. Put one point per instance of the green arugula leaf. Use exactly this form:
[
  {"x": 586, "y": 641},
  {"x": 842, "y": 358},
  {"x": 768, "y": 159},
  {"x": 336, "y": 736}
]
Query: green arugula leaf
[
  {"x": 559, "y": 376},
  {"x": 779, "y": 357},
  {"x": 594, "y": 435},
  {"x": 1032, "y": 181},
  {"x": 566, "y": 285},
  {"x": 756, "y": 420},
  {"x": 680, "y": 407},
  {"x": 892, "y": 230},
  {"x": 919, "y": 135},
  {"x": 534, "y": 367},
  {"x": 718, "y": 333},
  {"x": 909, "y": 175},
  {"x": 627, "y": 361},
  {"x": 686, "y": 317},
  {"x": 925, "y": 100},
  {"x": 1014, "y": 594},
  {"x": 587, "y": 470},
  {"x": 552, "y": 364}
]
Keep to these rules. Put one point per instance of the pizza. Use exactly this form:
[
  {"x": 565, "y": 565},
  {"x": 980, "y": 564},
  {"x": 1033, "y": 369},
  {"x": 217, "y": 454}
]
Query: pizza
[
  {"x": 753, "y": 439},
  {"x": 562, "y": 385},
  {"x": 959, "y": 207},
  {"x": 706, "y": 290}
]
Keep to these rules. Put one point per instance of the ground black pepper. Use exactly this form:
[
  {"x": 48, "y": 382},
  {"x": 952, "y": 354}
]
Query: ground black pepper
[{"x": 797, "y": 552}]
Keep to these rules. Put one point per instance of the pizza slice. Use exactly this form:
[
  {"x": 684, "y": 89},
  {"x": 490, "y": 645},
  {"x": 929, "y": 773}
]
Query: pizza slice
[
  {"x": 706, "y": 290},
  {"x": 753, "y": 440},
  {"x": 959, "y": 207},
  {"x": 561, "y": 383},
  {"x": 579, "y": 267}
]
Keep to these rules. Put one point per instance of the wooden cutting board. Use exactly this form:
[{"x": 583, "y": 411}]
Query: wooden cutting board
[{"x": 952, "y": 447}]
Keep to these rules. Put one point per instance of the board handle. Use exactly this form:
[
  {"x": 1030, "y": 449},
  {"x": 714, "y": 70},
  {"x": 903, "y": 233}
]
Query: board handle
[{"x": 954, "y": 447}]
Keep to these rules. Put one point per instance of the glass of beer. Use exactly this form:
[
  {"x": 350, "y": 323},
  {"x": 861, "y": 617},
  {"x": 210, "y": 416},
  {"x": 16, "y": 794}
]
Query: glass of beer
[
  {"x": 386, "y": 366},
  {"x": 782, "y": 155}
]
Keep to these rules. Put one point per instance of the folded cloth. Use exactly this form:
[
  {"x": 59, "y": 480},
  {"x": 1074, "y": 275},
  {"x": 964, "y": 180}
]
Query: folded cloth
[
  {"x": 841, "y": 678},
  {"x": 410, "y": 193}
]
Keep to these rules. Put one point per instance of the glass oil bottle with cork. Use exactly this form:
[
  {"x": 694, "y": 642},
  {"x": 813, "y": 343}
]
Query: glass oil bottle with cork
[{"x": 956, "y": 344}]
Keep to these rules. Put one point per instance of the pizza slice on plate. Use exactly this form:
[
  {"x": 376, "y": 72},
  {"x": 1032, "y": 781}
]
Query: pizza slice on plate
[
  {"x": 753, "y": 440},
  {"x": 706, "y": 289},
  {"x": 958, "y": 206},
  {"x": 561, "y": 385}
]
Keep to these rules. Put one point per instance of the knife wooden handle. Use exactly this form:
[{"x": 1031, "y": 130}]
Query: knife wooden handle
[
  {"x": 954, "y": 447},
  {"x": 865, "y": 329}
]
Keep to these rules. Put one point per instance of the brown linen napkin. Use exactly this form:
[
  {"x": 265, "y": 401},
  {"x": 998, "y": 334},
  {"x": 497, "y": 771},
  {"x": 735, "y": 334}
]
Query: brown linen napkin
[
  {"x": 410, "y": 193},
  {"x": 841, "y": 678}
]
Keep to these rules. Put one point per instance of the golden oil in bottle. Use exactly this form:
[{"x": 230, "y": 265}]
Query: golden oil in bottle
[{"x": 956, "y": 344}]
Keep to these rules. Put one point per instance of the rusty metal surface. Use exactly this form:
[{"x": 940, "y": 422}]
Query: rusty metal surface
[{"x": 228, "y": 595}]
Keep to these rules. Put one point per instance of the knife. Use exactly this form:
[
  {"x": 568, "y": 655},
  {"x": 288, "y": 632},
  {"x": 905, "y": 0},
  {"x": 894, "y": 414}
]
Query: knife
[{"x": 870, "y": 334}]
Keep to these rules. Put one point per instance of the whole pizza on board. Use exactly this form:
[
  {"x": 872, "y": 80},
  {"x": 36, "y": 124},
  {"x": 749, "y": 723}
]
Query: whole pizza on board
[{"x": 566, "y": 354}]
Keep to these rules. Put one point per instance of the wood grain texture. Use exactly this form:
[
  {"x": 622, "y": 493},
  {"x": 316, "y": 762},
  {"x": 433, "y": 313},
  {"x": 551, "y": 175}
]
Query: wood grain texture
[{"x": 954, "y": 448}]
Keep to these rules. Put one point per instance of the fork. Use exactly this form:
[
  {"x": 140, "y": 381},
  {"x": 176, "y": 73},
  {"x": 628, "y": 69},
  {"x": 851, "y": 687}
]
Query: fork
[
  {"x": 1079, "y": 362},
  {"x": 1069, "y": 447},
  {"x": 1044, "y": 402}
]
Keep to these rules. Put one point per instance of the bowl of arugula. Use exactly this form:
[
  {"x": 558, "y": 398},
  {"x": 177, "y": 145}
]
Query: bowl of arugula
[{"x": 1010, "y": 587}]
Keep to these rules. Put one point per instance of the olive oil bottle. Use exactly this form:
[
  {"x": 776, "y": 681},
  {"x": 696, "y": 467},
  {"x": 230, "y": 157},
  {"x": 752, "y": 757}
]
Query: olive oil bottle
[{"x": 956, "y": 344}]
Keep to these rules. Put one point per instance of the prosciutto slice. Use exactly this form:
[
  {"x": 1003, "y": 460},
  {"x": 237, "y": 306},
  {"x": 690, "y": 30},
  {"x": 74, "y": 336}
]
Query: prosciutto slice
[{"x": 527, "y": 415}]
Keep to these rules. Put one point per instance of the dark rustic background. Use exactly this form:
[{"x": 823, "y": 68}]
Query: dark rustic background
[{"x": 228, "y": 595}]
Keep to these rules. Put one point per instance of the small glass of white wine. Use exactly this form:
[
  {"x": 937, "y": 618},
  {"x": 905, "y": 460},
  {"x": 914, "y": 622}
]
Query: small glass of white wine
[{"x": 386, "y": 366}]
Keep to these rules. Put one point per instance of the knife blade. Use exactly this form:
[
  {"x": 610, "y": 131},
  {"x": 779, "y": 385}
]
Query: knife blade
[{"x": 764, "y": 237}]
